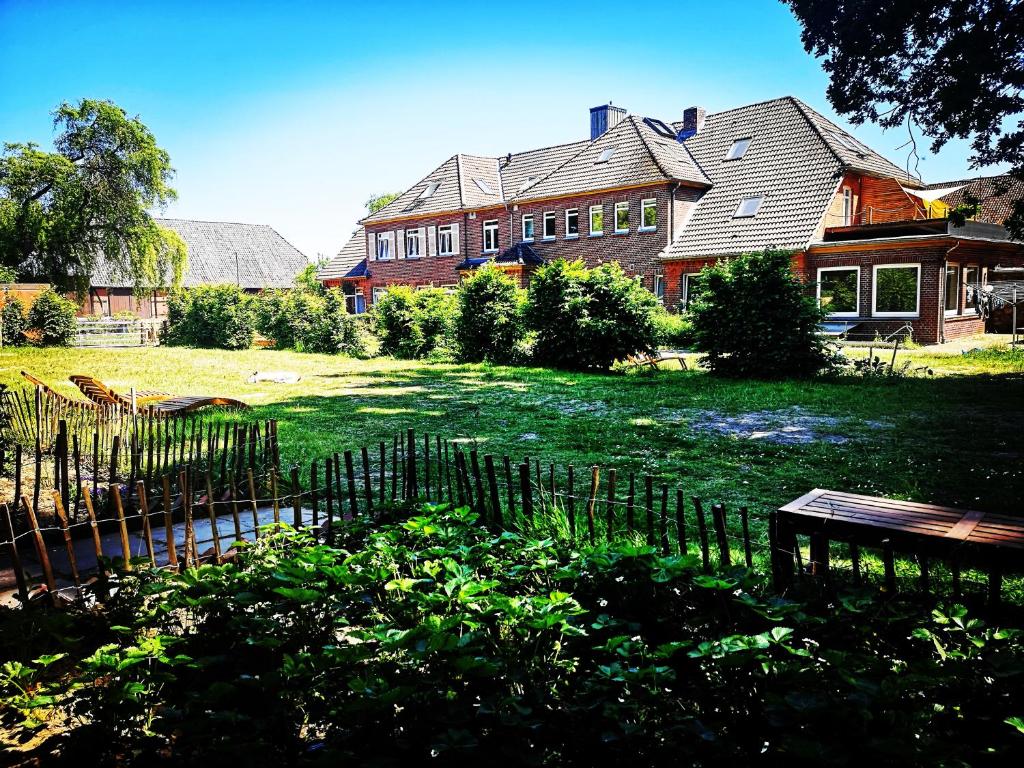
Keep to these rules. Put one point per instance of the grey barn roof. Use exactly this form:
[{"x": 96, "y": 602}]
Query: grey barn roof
[{"x": 252, "y": 255}]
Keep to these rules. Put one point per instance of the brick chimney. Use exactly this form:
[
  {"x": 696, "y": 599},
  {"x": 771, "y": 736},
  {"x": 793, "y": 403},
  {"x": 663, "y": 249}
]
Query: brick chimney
[
  {"x": 693, "y": 121},
  {"x": 604, "y": 118}
]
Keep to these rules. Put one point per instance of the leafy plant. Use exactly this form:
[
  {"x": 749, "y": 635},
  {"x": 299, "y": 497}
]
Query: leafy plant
[
  {"x": 489, "y": 325},
  {"x": 753, "y": 318},
  {"x": 52, "y": 318},
  {"x": 415, "y": 324},
  {"x": 14, "y": 321},
  {"x": 589, "y": 318},
  {"x": 211, "y": 316}
]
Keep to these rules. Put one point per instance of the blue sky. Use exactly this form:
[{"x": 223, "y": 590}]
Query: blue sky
[{"x": 292, "y": 114}]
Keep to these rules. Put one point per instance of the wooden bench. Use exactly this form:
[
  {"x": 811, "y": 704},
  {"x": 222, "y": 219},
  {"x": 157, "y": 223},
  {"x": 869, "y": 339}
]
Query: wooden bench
[
  {"x": 654, "y": 359},
  {"x": 990, "y": 541}
]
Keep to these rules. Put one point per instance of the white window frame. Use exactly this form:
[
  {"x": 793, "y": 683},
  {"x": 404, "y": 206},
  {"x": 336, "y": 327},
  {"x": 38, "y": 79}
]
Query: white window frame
[
  {"x": 621, "y": 205},
  {"x": 568, "y": 235},
  {"x": 847, "y": 206},
  {"x": 378, "y": 291},
  {"x": 684, "y": 294},
  {"x": 744, "y": 199},
  {"x": 963, "y": 279},
  {"x": 529, "y": 217},
  {"x": 855, "y": 268},
  {"x": 445, "y": 229},
  {"x": 491, "y": 225},
  {"x": 649, "y": 202},
  {"x": 590, "y": 217},
  {"x": 959, "y": 277},
  {"x": 874, "y": 290},
  {"x": 659, "y": 280},
  {"x": 549, "y": 216},
  {"x": 729, "y": 153},
  {"x": 377, "y": 243},
  {"x": 414, "y": 235}
]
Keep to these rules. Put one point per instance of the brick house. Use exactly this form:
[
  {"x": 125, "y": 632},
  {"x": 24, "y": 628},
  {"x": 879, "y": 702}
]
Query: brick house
[
  {"x": 665, "y": 199},
  {"x": 253, "y": 256}
]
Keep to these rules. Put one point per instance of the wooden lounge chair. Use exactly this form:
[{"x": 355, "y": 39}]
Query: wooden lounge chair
[
  {"x": 55, "y": 395},
  {"x": 162, "y": 403},
  {"x": 652, "y": 360}
]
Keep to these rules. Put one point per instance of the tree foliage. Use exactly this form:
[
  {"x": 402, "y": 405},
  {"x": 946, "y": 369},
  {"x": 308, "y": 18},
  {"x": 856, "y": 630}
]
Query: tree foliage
[
  {"x": 489, "y": 325},
  {"x": 62, "y": 212},
  {"x": 954, "y": 69},
  {"x": 309, "y": 321},
  {"x": 589, "y": 318},
  {"x": 754, "y": 318},
  {"x": 375, "y": 202}
]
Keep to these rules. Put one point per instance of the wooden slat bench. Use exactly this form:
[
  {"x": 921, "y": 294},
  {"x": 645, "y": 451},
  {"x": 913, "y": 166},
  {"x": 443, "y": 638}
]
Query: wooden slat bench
[{"x": 986, "y": 540}]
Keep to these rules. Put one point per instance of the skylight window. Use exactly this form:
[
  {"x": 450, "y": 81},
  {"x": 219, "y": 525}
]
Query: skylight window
[
  {"x": 659, "y": 127},
  {"x": 848, "y": 141},
  {"x": 430, "y": 190},
  {"x": 606, "y": 155},
  {"x": 530, "y": 181},
  {"x": 484, "y": 186},
  {"x": 748, "y": 207},
  {"x": 738, "y": 149}
]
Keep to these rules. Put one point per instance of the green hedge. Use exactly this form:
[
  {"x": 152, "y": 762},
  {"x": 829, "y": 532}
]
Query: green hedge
[
  {"x": 53, "y": 319},
  {"x": 221, "y": 316},
  {"x": 15, "y": 323},
  {"x": 415, "y": 324},
  {"x": 489, "y": 325}
]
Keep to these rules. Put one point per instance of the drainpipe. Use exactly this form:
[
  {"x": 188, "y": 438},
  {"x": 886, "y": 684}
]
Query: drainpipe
[
  {"x": 671, "y": 231},
  {"x": 942, "y": 295}
]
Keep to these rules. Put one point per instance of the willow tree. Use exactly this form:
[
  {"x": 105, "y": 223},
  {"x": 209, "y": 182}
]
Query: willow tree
[{"x": 63, "y": 212}]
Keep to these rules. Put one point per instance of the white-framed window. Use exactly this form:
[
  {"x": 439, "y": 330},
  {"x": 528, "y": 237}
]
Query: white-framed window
[
  {"x": 429, "y": 190},
  {"x": 606, "y": 155},
  {"x": 839, "y": 291},
  {"x": 847, "y": 206},
  {"x": 690, "y": 288},
  {"x": 384, "y": 247},
  {"x": 622, "y": 217},
  {"x": 549, "y": 225},
  {"x": 444, "y": 240},
  {"x": 896, "y": 290},
  {"x": 648, "y": 215},
  {"x": 490, "y": 236},
  {"x": 596, "y": 220},
  {"x": 572, "y": 223},
  {"x": 378, "y": 293},
  {"x": 413, "y": 243},
  {"x": 528, "y": 228},
  {"x": 450, "y": 288},
  {"x": 738, "y": 149},
  {"x": 951, "y": 289},
  {"x": 659, "y": 288},
  {"x": 748, "y": 207},
  {"x": 424, "y": 287},
  {"x": 972, "y": 283}
]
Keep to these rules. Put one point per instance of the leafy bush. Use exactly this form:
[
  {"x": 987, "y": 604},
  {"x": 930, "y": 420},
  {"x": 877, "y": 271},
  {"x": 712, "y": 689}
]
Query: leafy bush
[
  {"x": 211, "y": 316},
  {"x": 489, "y": 324},
  {"x": 14, "y": 321},
  {"x": 431, "y": 637},
  {"x": 334, "y": 331},
  {"x": 672, "y": 330},
  {"x": 52, "y": 318},
  {"x": 754, "y": 318},
  {"x": 589, "y": 318},
  {"x": 414, "y": 324}
]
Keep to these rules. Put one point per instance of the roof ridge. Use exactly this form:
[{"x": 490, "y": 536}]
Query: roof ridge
[
  {"x": 802, "y": 109},
  {"x": 650, "y": 152},
  {"x": 211, "y": 221},
  {"x": 557, "y": 168},
  {"x": 458, "y": 176},
  {"x": 501, "y": 181}
]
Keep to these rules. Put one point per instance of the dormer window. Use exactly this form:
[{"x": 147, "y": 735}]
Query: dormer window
[
  {"x": 430, "y": 190},
  {"x": 484, "y": 186},
  {"x": 748, "y": 207},
  {"x": 738, "y": 149},
  {"x": 606, "y": 155}
]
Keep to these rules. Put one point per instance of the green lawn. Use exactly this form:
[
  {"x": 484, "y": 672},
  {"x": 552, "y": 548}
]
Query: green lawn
[{"x": 952, "y": 439}]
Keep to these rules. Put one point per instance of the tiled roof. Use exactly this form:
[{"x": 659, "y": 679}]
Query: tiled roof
[
  {"x": 251, "y": 255},
  {"x": 787, "y": 162},
  {"x": 525, "y": 169},
  {"x": 447, "y": 196},
  {"x": 995, "y": 193},
  {"x": 635, "y": 154},
  {"x": 349, "y": 258},
  {"x": 851, "y": 152}
]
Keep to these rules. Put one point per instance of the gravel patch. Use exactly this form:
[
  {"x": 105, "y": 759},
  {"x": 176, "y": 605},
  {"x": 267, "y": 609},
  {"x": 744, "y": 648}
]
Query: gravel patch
[{"x": 787, "y": 426}]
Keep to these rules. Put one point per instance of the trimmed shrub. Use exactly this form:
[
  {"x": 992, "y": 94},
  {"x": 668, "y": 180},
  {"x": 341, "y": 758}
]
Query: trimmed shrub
[
  {"x": 754, "y": 318},
  {"x": 334, "y": 331},
  {"x": 211, "y": 316},
  {"x": 414, "y": 324},
  {"x": 52, "y": 318},
  {"x": 14, "y": 321},
  {"x": 489, "y": 325},
  {"x": 673, "y": 331},
  {"x": 586, "y": 319},
  {"x": 273, "y": 319}
]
